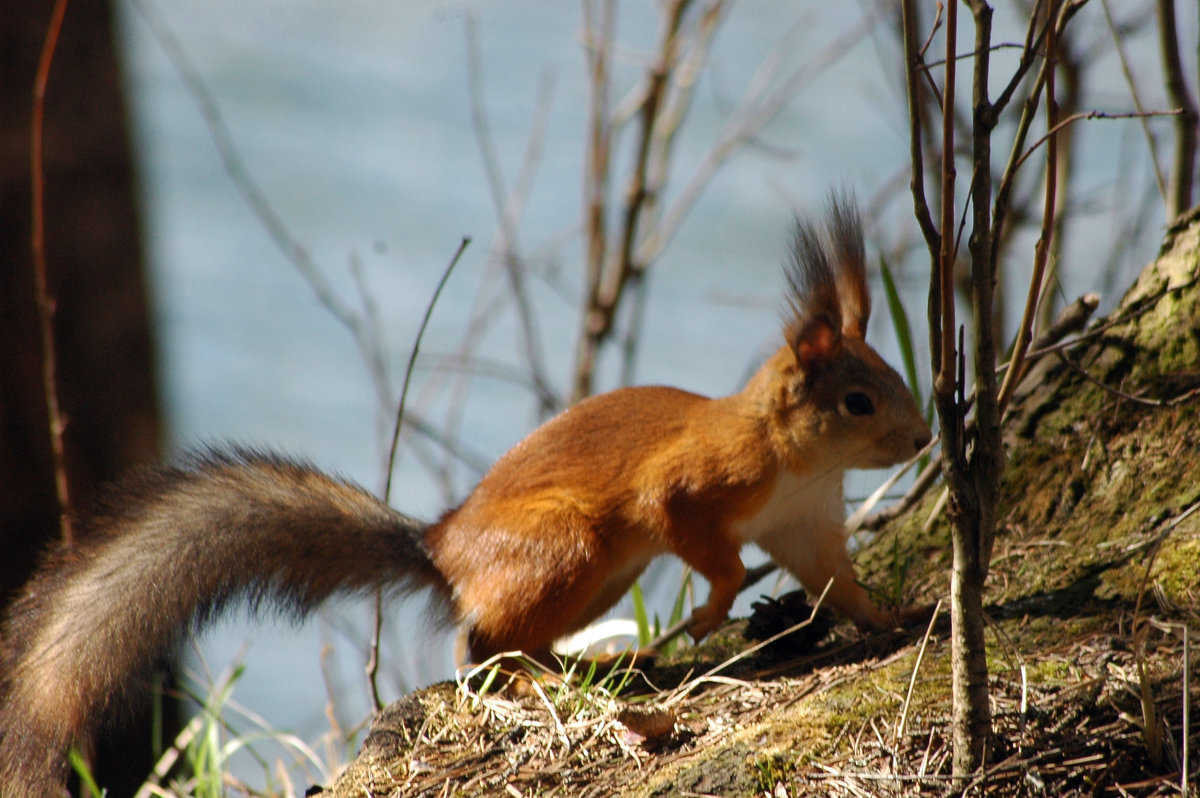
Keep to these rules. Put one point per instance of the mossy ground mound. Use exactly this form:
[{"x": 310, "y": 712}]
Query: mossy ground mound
[{"x": 1095, "y": 578}]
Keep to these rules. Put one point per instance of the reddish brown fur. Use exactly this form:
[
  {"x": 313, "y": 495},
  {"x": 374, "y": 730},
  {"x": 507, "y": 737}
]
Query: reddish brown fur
[{"x": 583, "y": 498}]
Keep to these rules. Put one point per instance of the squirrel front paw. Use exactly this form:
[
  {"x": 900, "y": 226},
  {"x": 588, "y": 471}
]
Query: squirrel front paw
[
  {"x": 881, "y": 620},
  {"x": 915, "y": 616},
  {"x": 704, "y": 620}
]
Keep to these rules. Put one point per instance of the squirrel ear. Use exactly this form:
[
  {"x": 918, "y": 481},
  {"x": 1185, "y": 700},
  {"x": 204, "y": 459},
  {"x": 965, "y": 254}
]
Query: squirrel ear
[
  {"x": 815, "y": 341},
  {"x": 814, "y": 328}
]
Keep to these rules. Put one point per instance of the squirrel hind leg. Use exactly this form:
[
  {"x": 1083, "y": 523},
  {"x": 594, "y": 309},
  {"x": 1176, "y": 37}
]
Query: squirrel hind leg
[{"x": 511, "y": 616}]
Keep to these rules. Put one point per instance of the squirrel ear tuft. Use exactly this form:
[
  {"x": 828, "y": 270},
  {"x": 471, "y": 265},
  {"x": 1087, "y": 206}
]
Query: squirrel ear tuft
[
  {"x": 827, "y": 280},
  {"x": 844, "y": 227}
]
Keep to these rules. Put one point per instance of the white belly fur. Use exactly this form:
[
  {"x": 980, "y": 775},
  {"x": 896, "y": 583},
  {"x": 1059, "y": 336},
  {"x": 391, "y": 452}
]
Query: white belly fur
[{"x": 799, "y": 503}]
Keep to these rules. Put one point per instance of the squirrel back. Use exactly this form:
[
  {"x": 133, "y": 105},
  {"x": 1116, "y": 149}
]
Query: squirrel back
[{"x": 166, "y": 550}]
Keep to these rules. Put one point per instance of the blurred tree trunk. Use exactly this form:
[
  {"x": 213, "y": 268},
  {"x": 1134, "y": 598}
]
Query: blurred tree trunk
[{"x": 93, "y": 251}]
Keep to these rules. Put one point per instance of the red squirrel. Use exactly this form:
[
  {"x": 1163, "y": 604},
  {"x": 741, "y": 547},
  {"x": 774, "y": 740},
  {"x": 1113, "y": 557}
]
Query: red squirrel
[{"x": 553, "y": 535}]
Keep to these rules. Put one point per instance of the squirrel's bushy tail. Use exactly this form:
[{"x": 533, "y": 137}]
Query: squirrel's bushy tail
[{"x": 167, "y": 550}]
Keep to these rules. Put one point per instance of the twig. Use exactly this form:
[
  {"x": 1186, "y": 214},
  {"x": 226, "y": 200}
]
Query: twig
[
  {"x": 1187, "y": 701},
  {"x": 928, "y": 66},
  {"x": 372, "y": 666},
  {"x": 475, "y": 460},
  {"x": 1001, "y": 206},
  {"x": 933, "y": 29},
  {"x": 1136, "y": 96},
  {"x": 358, "y": 324},
  {"x": 675, "y": 105},
  {"x": 944, "y": 299},
  {"x": 45, "y": 301},
  {"x": 924, "y": 481},
  {"x": 1042, "y": 249},
  {"x": 757, "y": 107},
  {"x": 912, "y": 60},
  {"x": 412, "y": 359},
  {"x": 858, "y": 517},
  {"x": 1086, "y": 115},
  {"x": 1070, "y": 320},
  {"x": 509, "y": 205},
  {"x": 1179, "y": 192},
  {"x": 597, "y": 47},
  {"x": 503, "y": 255},
  {"x": 912, "y": 682},
  {"x": 235, "y": 168},
  {"x": 609, "y": 278},
  {"x": 1033, "y": 40},
  {"x": 687, "y": 687},
  {"x": 1178, "y": 400}
]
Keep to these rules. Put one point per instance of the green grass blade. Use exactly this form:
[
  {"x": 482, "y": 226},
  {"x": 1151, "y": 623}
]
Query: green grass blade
[
  {"x": 80, "y": 766},
  {"x": 639, "y": 614},
  {"x": 685, "y": 586},
  {"x": 902, "y": 329}
]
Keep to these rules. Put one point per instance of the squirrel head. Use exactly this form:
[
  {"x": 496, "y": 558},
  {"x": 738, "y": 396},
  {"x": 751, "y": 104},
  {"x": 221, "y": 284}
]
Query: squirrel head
[{"x": 831, "y": 395}]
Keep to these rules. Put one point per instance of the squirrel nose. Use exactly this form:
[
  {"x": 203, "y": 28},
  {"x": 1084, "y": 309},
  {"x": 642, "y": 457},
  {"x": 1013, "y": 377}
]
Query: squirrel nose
[{"x": 922, "y": 440}]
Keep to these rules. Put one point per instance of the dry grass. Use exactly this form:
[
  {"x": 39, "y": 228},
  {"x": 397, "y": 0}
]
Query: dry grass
[{"x": 1068, "y": 721}]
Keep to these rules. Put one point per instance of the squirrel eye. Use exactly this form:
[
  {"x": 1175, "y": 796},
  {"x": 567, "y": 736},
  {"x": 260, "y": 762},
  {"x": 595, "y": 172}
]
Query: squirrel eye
[{"x": 859, "y": 404}]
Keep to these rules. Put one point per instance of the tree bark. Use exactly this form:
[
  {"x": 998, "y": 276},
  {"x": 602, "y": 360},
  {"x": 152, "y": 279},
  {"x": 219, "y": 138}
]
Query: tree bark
[{"x": 105, "y": 349}]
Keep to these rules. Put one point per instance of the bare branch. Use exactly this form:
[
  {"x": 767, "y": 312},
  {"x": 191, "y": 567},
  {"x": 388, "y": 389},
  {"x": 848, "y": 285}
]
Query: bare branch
[
  {"x": 1136, "y": 96},
  {"x": 1085, "y": 115},
  {"x": 944, "y": 378},
  {"x": 1034, "y": 39},
  {"x": 1071, "y": 320},
  {"x": 607, "y": 285},
  {"x": 674, "y": 109},
  {"x": 1042, "y": 250},
  {"x": 372, "y": 666},
  {"x": 45, "y": 301},
  {"x": 1183, "y": 166},
  {"x": 253, "y": 195},
  {"x": 1183, "y": 398},
  {"x": 509, "y": 205},
  {"x": 412, "y": 359},
  {"x": 757, "y": 107},
  {"x": 361, "y": 326},
  {"x": 1001, "y": 206},
  {"x": 912, "y": 61},
  {"x": 597, "y": 48}
]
